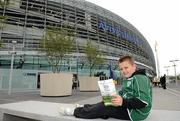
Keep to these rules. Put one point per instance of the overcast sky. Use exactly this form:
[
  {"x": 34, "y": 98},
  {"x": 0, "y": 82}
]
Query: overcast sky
[{"x": 157, "y": 20}]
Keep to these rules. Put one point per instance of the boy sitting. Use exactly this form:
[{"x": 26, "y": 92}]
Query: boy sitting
[{"x": 133, "y": 102}]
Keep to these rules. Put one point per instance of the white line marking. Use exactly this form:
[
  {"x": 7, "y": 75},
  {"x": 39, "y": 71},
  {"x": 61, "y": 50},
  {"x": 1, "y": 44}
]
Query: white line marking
[
  {"x": 178, "y": 95},
  {"x": 174, "y": 90}
]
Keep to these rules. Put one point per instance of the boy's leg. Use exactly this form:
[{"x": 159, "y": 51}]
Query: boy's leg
[
  {"x": 90, "y": 111},
  {"x": 99, "y": 110},
  {"x": 117, "y": 112}
]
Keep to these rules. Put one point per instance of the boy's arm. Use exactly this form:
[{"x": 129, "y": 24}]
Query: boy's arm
[
  {"x": 131, "y": 103},
  {"x": 120, "y": 92},
  {"x": 141, "y": 96}
]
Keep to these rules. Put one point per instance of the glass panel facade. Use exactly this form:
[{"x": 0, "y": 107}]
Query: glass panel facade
[{"x": 27, "y": 20}]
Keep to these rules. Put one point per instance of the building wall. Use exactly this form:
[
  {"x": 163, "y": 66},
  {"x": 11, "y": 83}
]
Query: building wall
[{"x": 27, "y": 21}]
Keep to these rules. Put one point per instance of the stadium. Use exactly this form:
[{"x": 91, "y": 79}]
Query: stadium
[{"x": 27, "y": 20}]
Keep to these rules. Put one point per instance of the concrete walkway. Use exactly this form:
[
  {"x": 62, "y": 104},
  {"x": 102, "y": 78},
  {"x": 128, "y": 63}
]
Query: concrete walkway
[
  {"x": 164, "y": 100},
  {"x": 168, "y": 99}
]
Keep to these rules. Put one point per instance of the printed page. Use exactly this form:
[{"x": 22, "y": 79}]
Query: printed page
[{"x": 107, "y": 89}]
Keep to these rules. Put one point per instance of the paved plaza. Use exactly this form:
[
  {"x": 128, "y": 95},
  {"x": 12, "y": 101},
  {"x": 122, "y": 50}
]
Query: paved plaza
[{"x": 167, "y": 100}]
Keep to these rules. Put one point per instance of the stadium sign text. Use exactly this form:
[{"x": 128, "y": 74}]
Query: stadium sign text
[{"x": 118, "y": 32}]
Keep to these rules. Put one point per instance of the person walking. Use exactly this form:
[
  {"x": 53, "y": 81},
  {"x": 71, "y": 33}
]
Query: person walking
[{"x": 163, "y": 81}]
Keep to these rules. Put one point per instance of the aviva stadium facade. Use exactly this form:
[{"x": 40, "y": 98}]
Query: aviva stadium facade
[{"x": 27, "y": 20}]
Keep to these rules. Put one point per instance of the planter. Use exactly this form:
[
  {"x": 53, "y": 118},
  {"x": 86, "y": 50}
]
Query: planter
[
  {"x": 88, "y": 83},
  {"x": 56, "y": 84}
]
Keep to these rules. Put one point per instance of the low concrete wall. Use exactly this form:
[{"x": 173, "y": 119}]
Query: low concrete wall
[
  {"x": 56, "y": 84},
  {"x": 88, "y": 83},
  {"x": 48, "y": 111}
]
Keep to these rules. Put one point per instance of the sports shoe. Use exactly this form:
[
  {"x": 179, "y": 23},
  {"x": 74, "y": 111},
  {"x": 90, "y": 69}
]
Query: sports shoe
[
  {"x": 68, "y": 111},
  {"x": 78, "y": 105}
]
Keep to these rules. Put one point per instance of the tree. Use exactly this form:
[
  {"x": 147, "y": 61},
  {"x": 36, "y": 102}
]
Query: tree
[
  {"x": 93, "y": 55},
  {"x": 56, "y": 44},
  {"x": 3, "y": 5},
  {"x": 0, "y": 43}
]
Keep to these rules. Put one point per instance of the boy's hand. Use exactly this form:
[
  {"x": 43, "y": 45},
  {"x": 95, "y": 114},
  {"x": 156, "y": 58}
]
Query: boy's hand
[{"x": 117, "y": 100}]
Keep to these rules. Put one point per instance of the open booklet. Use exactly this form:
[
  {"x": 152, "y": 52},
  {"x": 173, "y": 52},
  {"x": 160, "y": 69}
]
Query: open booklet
[{"x": 107, "y": 89}]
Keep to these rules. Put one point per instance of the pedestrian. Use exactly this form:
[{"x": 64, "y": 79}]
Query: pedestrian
[
  {"x": 75, "y": 82},
  {"x": 133, "y": 102},
  {"x": 163, "y": 81}
]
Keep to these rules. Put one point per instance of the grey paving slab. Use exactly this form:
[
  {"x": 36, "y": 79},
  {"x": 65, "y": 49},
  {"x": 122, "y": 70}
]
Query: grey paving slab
[
  {"x": 35, "y": 95},
  {"x": 163, "y": 115},
  {"x": 164, "y": 101}
]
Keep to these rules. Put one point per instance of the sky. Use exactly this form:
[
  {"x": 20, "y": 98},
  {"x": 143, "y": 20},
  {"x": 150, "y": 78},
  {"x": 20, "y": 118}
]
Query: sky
[{"x": 158, "y": 21}]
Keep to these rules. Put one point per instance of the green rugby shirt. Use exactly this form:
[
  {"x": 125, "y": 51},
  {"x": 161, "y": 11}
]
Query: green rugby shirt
[{"x": 137, "y": 96}]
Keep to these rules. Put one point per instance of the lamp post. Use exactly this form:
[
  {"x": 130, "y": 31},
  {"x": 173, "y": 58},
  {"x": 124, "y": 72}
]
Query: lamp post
[
  {"x": 77, "y": 49},
  {"x": 157, "y": 60},
  {"x": 167, "y": 70},
  {"x": 173, "y": 61},
  {"x": 11, "y": 69},
  {"x": 77, "y": 57}
]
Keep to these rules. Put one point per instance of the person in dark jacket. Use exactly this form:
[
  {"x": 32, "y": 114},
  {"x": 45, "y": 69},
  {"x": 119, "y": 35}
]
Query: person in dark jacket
[
  {"x": 163, "y": 81},
  {"x": 133, "y": 102}
]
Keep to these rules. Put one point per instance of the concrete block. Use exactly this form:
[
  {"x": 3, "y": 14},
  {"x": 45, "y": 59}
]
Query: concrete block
[
  {"x": 56, "y": 84},
  {"x": 48, "y": 111},
  {"x": 87, "y": 83}
]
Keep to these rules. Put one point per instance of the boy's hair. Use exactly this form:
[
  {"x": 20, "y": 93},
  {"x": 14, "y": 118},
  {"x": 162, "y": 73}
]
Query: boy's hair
[{"x": 126, "y": 58}]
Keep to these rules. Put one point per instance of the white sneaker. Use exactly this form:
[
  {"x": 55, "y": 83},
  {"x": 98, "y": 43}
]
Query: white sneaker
[
  {"x": 68, "y": 111},
  {"x": 78, "y": 105}
]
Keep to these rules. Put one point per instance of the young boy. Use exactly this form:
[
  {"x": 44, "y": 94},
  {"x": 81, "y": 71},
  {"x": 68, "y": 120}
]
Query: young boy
[{"x": 133, "y": 102}]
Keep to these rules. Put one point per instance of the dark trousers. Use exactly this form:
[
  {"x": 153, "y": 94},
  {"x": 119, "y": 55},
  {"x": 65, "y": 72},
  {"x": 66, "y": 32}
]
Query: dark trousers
[
  {"x": 99, "y": 110},
  {"x": 163, "y": 85}
]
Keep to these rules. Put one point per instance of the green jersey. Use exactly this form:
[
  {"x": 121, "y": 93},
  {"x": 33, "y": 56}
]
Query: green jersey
[{"x": 137, "y": 96}]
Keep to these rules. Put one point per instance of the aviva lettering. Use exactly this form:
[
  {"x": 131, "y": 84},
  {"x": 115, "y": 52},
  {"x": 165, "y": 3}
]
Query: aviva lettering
[{"x": 118, "y": 32}]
